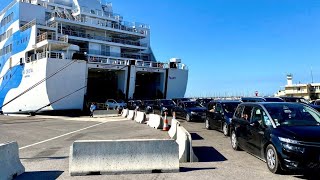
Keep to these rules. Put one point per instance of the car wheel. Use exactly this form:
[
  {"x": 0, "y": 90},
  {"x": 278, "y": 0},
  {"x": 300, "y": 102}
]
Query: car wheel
[
  {"x": 272, "y": 159},
  {"x": 234, "y": 141},
  {"x": 225, "y": 129},
  {"x": 207, "y": 124},
  {"x": 188, "y": 118}
]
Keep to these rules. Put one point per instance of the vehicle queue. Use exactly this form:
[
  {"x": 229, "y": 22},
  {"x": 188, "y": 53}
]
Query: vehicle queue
[{"x": 286, "y": 135}]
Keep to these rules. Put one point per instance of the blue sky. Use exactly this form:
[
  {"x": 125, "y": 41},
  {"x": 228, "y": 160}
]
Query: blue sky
[{"x": 233, "y": 47}]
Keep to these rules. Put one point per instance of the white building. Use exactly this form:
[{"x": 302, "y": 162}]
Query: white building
[{"x": 308, "y": 91}]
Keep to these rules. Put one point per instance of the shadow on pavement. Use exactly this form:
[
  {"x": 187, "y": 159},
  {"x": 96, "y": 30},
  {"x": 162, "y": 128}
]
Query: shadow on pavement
[
  {"x": 37, "y": 158},
  {"x": 196, "y": 136},
  {"x": 208, "y": 154},
  {"x": 47, "y": 175},
  {"x": 306, "y": 175},
  {"x": 187, "y": 169}
]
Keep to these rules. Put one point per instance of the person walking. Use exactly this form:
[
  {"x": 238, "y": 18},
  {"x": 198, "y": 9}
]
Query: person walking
[{"x": 93, "y": 107}]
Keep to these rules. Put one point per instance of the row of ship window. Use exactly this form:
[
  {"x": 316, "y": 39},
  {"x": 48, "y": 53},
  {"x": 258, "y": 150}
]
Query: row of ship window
[
  {"x": 7, "y": 19},
  {"x": 5, "y": 35},
  {"x": 6, "y": 50}
]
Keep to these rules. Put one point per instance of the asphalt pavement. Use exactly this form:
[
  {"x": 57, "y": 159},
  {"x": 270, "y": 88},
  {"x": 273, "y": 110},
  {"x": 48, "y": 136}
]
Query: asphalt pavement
[{"x": 44, "y": 143}]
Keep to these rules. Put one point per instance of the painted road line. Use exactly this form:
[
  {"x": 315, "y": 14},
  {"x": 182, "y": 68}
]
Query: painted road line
[{"x": 64, "y": 135}]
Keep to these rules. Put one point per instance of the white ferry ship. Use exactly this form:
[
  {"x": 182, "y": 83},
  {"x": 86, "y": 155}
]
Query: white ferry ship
[{"x": 61, "y": 54}]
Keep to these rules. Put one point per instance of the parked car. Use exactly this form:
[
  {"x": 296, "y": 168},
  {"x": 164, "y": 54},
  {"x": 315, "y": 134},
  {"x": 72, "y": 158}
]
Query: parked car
[
  {"x": 315, "y": 102},
  {"x": 190, "y": 110},
  {"x": 177, "y": 100},
  {"x": 164, "y": 105},
  {"x": 122, "y": 104},
  {"x": 204, "y": 101},
  {"x": 112, "y": 104},
  {"x": 133, "y": 104},
  {"x": 147, "y": 106},
  {"x": 300, "y": 100},
  {"x": 285, "y": 135},
  {"x": 261, "y": 99},
  {"x": 219, "y": 114},
  {"x": 294, "y": 99}
]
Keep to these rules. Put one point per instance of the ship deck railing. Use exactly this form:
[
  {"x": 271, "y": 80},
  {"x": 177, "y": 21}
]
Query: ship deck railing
[
  {"x": 111, "y": 15},
  {"x": 113, "y": 54},
  {"x": 51, "y": 36},
  {"x": 103, "y": 23},
  {"x": 46, "y": 54},
  {"x": 37, "y": 22},
  {"x": 101, "y": 38},
  {"x": 138, "y": 63}
]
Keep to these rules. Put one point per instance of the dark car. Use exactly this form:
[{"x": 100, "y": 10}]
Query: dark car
[
  {"x": 300, "y": 100},
  {"x": 178, "y": 100},
  {"x": 190, "y": 110},
  {"x": 219, "y": 114},
  {"x": 285, "y": 135},
  {"x": 204, "y": 101},
  {"x": 133, "y": 104},
  {"x": 315, "y": 102},
  {"x": 261, "y": 99},
  {"x": 147, "y": 106},
  {"x": 164, "y": 105}
]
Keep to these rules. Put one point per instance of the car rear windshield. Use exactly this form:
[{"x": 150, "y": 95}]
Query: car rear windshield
[
  {"x": 192, "y": 104},
  {"x": 148, "y": 102},
  {"x": 167, "y": 102},
  {"x": 273, "y": 99},
  {"x": 230, "y": 107},
  {"x": 293, "y": 114}
]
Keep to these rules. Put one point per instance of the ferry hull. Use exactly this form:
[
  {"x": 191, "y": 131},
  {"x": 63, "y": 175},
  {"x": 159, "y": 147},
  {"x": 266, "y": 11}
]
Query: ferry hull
[{"x": 47, "y": 85}]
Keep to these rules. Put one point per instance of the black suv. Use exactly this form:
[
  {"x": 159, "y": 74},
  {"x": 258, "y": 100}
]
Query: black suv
[
  {"x": 261, "y": 99},
  {"x": 219, "y": 114},
  {"x": 147, "y": 106},
  {"x": 204, "y": 101},
  {"x": 285, "y": 135},
  {"x": 178, "y": 100},
  {"x": 133, "y": 104},
  {"x": 190, "y": 110},
  {"x": 163, "y": 105}
]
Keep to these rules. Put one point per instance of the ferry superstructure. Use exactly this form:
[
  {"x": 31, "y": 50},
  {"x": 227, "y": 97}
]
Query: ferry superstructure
[{"x": 61, "y": 54}]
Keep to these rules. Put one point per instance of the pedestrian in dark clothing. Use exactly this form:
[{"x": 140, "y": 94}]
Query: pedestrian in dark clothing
[{"x": 93, "y": 107}]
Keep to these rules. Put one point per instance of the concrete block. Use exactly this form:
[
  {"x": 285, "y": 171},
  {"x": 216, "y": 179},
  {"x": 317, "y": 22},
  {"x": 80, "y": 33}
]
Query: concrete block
[
  {"x": 131, "y": 114},
  {"x": 155, "y": 121},
  {"x": 184, "y": 140},
  {"x": 123, "y": 156},
  {"x": 140, "y": 117},
  {"x": 125, "y": 112},
  {"x": 173, "y": 129},
  {"x": 10, "y": 165}
]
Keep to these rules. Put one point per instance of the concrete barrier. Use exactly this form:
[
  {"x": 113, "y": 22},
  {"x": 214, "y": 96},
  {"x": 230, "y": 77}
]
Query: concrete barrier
[
  {"x": 140, "y": 117},
  {"x": 124, "y": 112},
  {"x": 155, "y": 121},
  {"x": 131, "y": 114},
  {"x": 10, "y": 165},
  {"x": 123, "y": 156},
  {"x": 184, "y": 140},
  {"x": 173, "y": 129}
]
